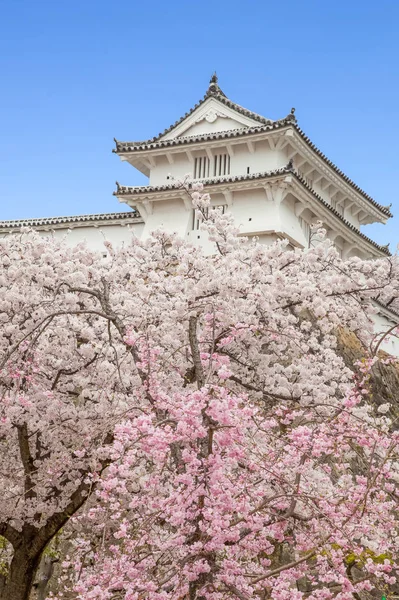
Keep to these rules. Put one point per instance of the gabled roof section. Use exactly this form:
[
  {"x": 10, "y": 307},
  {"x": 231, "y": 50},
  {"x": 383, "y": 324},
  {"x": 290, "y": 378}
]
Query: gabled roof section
[
  {"x": 215, "y": 92},
  {"x": 259, "y": 126}
]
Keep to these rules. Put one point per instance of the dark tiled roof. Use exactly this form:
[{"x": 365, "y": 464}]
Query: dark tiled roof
[
  {"x": 213, "y": 91},
  {"x": 265, "y": 125},
  {"x": 47, "y": 221},
  {"x": 138, "y": 191},
  {"x": 125, "y": 190},
  {"x": 387, "y": 307},
  {"x": 381, "y": 207},
  {"x": 152, "y": 144}
]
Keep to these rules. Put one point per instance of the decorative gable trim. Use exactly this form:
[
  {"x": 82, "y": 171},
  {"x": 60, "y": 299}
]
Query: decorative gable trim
[
  {"x": 210, "y": 110},
  {"x": 213, "y": 91}
]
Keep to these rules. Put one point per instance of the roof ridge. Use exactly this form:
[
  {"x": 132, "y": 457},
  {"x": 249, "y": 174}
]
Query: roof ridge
[
  {"x": 72, "y": 218},
  {"x": 132, "y": 146},
  {"x": 213, "y": 91}
]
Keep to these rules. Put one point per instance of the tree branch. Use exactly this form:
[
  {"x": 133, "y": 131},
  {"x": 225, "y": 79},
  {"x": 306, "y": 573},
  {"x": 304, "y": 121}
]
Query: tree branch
[{"x": 195, "y": 353}]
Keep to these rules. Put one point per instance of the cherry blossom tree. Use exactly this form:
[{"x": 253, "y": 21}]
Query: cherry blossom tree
[
  {"x": 62, "y": 391},
  {"x": 201, "y": 405}
]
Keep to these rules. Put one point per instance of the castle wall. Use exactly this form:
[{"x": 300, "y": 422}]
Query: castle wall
[{"x": 95, "y": 236}]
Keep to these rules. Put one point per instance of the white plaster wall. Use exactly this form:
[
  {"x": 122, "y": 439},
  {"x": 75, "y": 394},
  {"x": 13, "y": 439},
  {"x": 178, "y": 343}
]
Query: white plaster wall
[
  {"x": 170, "y": 215},
  {"x": 390, "y": 343},
  {"x": 263, "y": 159},
  {"x": 95, "y": 236},
  {"x": 181, "y": 166},
  {"x": 290, "y": 224},
  {"x": 254, "y": 213}
]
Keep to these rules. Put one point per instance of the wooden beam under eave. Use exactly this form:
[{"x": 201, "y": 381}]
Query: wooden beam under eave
[
  {"x": 348, "y": 204},
  {"x": 170, "y": 158},
  {"x": 332, "y": 234},
  {"x": 356, "y": 211},
  {"x": 140, "y": 206},
  {"x": 347, "y": 247},
  {"x": 300, "y": 208},
  {"x": 300, "y": 161},
  {"x": 188, "y": 205},
  {"x": 251, "y": 147},
  {"x": 228, "y": 196},
  {"x": 230, "y": 150},
  {"x": 363, "y": 217},
  {"x": 145, "y": 162},
  {"x": 152, "y": 160},
  {"x": 318, "y": 177},
  {"x": 148, "y": 206},
  {"x": 310, "y": 174},
  {"x": 309, "y": 170},
  {"x": 281, "y": 143},
  {"x": 291, "y": 152},
  {"x": 268, "y": 192},
  {"x": 341, "y": 200}
]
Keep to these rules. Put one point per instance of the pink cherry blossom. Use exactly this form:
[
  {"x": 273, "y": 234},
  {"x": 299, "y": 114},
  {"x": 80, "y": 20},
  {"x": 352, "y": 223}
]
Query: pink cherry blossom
[{"x": 196, "y": 416}]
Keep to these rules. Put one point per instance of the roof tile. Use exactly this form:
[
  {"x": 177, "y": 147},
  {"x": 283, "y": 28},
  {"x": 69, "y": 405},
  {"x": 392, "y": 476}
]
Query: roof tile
[{"x": 47, "y": 221}]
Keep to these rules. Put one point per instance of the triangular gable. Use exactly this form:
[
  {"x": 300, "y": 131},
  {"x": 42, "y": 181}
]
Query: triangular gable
[
  {"x": 210, "y": 116},
  {"x": 214, "y": 113}
]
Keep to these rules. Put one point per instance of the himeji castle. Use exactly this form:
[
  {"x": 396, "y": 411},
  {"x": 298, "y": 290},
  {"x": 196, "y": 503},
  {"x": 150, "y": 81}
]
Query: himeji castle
[{"x": 268, "y": 174}]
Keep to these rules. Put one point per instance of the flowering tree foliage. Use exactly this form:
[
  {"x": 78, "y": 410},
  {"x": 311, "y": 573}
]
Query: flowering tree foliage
[{"x": 202, "y": 402}]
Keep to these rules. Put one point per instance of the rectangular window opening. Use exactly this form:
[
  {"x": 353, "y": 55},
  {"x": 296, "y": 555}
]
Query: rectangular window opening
[
  {"x": 221, "y": 165},
  {"x": 201, "y": 167}
]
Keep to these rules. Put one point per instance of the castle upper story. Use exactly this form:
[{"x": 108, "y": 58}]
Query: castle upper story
[{"x": 268, "y": 173}]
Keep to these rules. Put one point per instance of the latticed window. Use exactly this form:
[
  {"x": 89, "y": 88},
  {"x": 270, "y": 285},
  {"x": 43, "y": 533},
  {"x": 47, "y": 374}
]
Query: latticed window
[
  {"x": 221, "y": 165},
  {"x": 203, "y": 168}
]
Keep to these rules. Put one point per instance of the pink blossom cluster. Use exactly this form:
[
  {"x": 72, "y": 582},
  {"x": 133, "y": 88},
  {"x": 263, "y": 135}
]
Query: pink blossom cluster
[{"x": 203, "y": 407}]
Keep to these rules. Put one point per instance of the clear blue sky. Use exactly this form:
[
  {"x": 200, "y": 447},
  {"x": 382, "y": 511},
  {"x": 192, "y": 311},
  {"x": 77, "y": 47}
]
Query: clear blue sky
[{"x": 76, "y": 73}]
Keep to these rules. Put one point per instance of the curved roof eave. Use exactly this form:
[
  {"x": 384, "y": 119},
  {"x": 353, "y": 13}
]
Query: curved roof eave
[{"x": 124, "y": 191}]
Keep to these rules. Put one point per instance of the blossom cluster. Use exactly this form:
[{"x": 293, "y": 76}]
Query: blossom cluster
[{"x": 202, "y": 406}]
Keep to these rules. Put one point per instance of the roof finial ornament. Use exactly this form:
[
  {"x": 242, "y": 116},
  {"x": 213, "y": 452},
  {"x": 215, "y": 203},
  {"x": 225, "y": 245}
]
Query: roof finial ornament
[
  {"x": 291, "y": 117},
  {"x": 214, "y": 86}
]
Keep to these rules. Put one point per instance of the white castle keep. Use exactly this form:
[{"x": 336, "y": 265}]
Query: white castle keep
[{"x": 268, "y": 174}]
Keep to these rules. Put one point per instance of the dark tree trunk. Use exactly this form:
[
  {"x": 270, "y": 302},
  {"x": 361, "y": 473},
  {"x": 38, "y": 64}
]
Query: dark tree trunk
[
  {"x": 46, "y": 571},
  {"x": 21, "y": 576}
]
